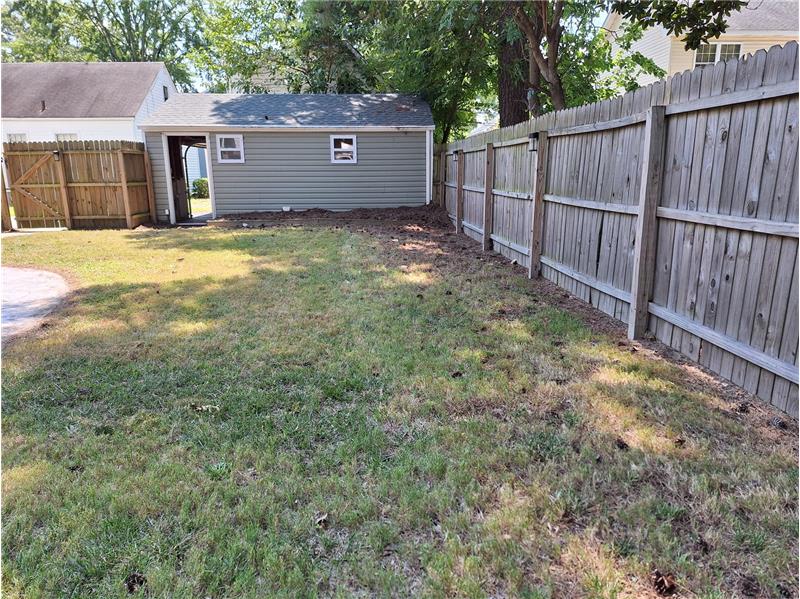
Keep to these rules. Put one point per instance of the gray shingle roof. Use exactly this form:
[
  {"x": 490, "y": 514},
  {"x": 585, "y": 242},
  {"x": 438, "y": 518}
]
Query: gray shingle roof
[
  {"x": 292, "y": 110},
  {"x": 75, "y": 89},
  {"x": 765, "y": 15}
]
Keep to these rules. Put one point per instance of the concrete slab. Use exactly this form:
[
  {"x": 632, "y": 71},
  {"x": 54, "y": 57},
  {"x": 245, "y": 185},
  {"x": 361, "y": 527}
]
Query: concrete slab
[{"x": 28, "y": 295}]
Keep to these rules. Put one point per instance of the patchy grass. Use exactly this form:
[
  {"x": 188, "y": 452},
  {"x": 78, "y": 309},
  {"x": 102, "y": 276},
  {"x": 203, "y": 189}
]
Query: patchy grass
[{"x": 364, "y": 411}]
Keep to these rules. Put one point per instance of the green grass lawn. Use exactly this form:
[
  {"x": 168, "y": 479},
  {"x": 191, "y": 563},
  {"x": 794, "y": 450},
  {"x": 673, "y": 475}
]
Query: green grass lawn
[
  {"x": 200, "y": 206},
  {"x": 304, "y": 412}
]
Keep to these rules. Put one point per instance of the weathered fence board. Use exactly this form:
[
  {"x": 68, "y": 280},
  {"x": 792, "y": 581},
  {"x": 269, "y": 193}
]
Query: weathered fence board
[
  {"x": 79, "y": 184},
  {"x": 706, "y": 248}
]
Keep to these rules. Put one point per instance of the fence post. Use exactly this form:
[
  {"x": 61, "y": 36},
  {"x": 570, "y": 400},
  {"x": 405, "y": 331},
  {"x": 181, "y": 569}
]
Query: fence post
[
  {"x": 6, "y": 212},
  {"x": 62, "y": 185},
  {"x": 649, "y": 194},
  {"x": 488, "y": 198},
  {"x": 443, "y": 178},
  {"x": 459, "y": 191},
  {"x": 151, "y": 196},
  {"x": 123, "y": 181},
  {"x": 537, "y": 221}
]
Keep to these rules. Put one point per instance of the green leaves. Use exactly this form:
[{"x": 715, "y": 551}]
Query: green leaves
[
  {"x": 102, "y": 30},
  {"x": 699, "y": 21}
]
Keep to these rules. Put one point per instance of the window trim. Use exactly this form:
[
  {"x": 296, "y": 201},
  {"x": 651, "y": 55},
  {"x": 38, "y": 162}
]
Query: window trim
[
  {"x": 16, "y": 135},
  {"x": 717, "y": 52},
  {"x": 239, "y": 146},
  {"x": 355, "y": 148}
]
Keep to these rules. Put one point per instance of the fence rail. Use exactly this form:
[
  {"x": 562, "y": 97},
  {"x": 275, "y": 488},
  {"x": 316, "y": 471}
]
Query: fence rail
[
  {"x": 79, "y": 184},
  {"x": 673, "y": 208}
]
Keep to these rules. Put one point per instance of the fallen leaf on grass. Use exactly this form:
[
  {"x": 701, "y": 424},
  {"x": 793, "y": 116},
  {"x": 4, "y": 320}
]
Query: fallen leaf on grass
[
  {"x": 134, "y": 582},
  {"x": 321, "y": 520},
  {"x": 245, "y": 477},
  {"x": 750, "y": 586},
  {"x": 664, "y": 584},
  {"x": 204, "y": 407},
  {"x": 702, "y": 545},
  {"x": 778, "y": 423}
]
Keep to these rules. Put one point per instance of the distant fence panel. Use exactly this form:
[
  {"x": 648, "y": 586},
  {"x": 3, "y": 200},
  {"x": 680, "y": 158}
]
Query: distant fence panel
[
  {"x": 714, "y": 274},
  {"x": 79, "y": 184}
]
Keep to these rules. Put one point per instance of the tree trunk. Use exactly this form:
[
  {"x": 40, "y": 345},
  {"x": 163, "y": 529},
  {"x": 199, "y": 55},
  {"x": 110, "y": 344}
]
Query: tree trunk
[
  {"x": 534, "y": 84},
  {"x": 511, "y": 89},
  {"x": 557, "y": 92}
]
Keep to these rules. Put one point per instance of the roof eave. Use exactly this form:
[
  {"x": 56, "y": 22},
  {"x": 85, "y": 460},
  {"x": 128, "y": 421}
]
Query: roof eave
[{"x": 217, "y": 127}]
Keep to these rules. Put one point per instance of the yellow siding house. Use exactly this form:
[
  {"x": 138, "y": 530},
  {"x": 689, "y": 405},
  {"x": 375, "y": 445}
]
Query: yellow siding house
[{"x": 760, "y": 24}]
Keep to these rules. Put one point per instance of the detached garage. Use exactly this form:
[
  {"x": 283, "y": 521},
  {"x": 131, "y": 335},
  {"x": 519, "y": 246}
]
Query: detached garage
[{"x": 272, "y": 152}]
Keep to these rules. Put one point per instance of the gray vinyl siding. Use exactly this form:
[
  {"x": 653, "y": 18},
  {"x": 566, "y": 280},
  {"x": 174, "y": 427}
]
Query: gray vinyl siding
[
  {"x": 156, "y": 151},
  {"x": 294, "y": 169}
]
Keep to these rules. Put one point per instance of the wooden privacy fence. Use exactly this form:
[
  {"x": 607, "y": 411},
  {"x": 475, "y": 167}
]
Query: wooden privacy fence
[
  {"x": 673, "y": 208},
  {"x": 79, "y": 184}
]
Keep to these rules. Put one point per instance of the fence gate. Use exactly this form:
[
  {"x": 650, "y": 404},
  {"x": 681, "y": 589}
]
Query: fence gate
[
  {"x": 79, "y": 184},
  {"x": 35, "y": 189}
]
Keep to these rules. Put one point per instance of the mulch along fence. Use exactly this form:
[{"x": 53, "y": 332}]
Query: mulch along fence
[
  {"x": 79, "y": 184},
  {"x": 673, "y": 208}
]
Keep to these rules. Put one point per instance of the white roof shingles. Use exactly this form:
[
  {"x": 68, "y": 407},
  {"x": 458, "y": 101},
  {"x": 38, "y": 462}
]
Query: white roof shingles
[
  {"x": 265, "y": 111},
  {"x": 76, "y": 89}
]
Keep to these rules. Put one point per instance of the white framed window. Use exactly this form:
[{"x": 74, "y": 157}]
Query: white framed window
[
  {"x": 727, "y": 51},
  {"x": 344, "y": 149},
  {"x": 16, "y": 137},
  {"x": 230, "y": 148},
  {"x": 66, "y": 137},
  {"x": 712, "y": 53}
]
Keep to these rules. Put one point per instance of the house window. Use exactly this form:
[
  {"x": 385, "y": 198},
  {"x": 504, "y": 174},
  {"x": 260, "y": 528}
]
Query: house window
[
  {"x": 711, "y": 53},
  {"x": 344, "y": 149},
  {"x": 165, "y": 89},
  {"x": 66, "y": 137},
  {"x": 230, "y": 148},
  {"x": 727, "y": 51},
  {"x": 16, "y": 137}
]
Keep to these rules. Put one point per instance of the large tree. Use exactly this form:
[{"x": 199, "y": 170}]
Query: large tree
[
  {"x": 552, "y": 27},
  {"x": 237, "y": 34},
  {"x": 104, "y": 30},
  {"x": 142, "y": 31},
  {"x": 443, "y": 50},
  {"x": 39, "y": 30}
]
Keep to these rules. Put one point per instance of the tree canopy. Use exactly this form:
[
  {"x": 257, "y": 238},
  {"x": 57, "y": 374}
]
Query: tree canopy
[{"x": 518, "y": 58}]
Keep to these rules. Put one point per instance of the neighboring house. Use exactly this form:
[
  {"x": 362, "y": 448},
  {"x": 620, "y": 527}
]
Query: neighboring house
[
  {"x": 67, "y": 101},
  {"x": 81, "y": 100},
  {"x": 287, "y": 151},
  {"x": 760, "y": 24}
]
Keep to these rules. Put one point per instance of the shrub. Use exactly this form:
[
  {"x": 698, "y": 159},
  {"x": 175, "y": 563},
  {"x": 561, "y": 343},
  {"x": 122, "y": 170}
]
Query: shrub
[{"x": 200, "y": 188}]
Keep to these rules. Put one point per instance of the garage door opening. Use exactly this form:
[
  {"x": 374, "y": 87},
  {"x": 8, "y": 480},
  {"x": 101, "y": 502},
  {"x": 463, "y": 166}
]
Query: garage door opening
[{"x": 188, "y": 162}]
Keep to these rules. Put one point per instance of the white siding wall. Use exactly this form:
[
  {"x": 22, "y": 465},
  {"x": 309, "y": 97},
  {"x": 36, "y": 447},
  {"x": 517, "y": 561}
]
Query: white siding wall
[
  {"x": 155, "y": 97},
  {"x": 46, "y": 129},
  {"x": 654, "y": 44},
  {"x": 195, "y": 164}
]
